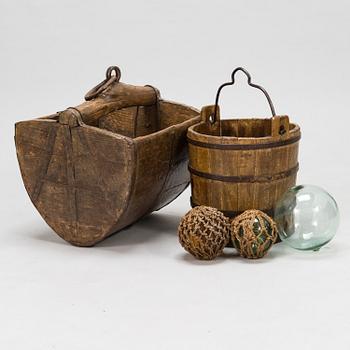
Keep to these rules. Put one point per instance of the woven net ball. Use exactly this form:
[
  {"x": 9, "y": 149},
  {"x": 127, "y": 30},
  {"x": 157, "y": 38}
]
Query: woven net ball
[
  {"x": 204, "y": 232},
  {"x": 253, "y": 234}
]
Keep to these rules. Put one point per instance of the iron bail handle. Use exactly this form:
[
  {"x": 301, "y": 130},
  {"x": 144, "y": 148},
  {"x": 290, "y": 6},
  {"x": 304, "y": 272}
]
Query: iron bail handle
[{"x": 212, "y": 118}]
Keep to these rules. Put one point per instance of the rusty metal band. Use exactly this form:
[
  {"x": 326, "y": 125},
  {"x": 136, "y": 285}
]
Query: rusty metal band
[
  {"x": 250, "y": 146},
  {"x": 245, "y": 178},
  {"x": 231, "y": 213}
]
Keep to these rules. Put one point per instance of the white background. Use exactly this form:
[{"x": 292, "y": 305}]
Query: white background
[{"x": 139, "y": 289}]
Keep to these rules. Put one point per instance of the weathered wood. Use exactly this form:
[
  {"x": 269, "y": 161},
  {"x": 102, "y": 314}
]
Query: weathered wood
[
  {"x": 249, "y": 166},
  {"x": 116, "y": 96},
  {"x": 90, "y": 175},
  {"x": 133, "y": 121}
]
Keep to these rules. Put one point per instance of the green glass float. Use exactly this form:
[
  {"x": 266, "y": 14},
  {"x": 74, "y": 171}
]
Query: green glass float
[
  {"x": 307, "y": 217},
  {"x": 253, "y": 234}
]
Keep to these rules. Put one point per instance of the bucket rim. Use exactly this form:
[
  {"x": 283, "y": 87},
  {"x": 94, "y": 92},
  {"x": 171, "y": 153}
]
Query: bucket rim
[{"x": 193, "y": 134}]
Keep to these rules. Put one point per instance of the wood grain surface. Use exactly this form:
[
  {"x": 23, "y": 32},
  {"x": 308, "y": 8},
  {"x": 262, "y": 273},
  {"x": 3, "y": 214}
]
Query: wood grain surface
[
  {"x": 96, "y": 168},
  {"x": 242, "y": 164}
]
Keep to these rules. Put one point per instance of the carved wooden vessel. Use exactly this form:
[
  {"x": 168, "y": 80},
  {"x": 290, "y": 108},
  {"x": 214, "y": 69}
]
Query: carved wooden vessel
[
  {"x": 242, "y": 164},
  {"x": 96, "y": 168}
]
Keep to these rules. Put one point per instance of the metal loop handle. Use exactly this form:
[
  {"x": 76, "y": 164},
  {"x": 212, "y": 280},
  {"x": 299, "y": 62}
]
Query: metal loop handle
[
  {"x": 109, "y": 80},
  {"x": 114, "y": 69},
  {"x": 249, "y": 78}
]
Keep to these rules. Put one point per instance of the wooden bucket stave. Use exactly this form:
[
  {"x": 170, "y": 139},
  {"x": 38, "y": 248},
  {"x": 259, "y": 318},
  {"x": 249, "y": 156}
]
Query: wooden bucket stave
[
  {"x": 87, "y": 179},
  {"x": 241, "y": 164}
]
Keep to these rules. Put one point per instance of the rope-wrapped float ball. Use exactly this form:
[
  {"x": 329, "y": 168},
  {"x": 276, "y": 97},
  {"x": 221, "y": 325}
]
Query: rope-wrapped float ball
[
  {"x": 253, "y": 234},
  {"x": 204, "y": 232}
]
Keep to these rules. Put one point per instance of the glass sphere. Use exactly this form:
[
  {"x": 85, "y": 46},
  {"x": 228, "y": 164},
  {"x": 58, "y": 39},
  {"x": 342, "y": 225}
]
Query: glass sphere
[{"x": 307, "y": 217}]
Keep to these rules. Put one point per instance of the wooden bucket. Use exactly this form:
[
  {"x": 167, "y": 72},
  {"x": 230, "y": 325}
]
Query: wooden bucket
[
  {"x": 96, "y": 168},
  {"x": 242, "y": 164}
]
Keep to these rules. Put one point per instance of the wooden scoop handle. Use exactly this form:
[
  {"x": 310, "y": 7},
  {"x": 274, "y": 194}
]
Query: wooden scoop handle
[
  {"x": 111, "y": 95},
  {"x": 119, "y": 96}
]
